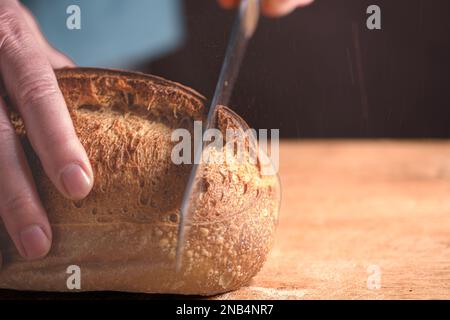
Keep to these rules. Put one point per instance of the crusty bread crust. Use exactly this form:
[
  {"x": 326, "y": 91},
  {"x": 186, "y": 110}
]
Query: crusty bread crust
[{"x": 123, "y": 235}]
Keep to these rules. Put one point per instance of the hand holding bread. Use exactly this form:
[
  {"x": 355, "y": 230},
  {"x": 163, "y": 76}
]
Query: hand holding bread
[
  {"x": 124, "y": 233},
  {"x": 123, "y": 236},
  {"x": 26, "y": 61}
]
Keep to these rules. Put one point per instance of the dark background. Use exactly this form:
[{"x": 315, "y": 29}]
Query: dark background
[{"x": 320, "y": 72}]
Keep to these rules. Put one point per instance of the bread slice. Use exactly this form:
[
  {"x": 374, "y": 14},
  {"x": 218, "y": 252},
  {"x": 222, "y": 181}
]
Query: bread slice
[{"x": 123, "y": 236}]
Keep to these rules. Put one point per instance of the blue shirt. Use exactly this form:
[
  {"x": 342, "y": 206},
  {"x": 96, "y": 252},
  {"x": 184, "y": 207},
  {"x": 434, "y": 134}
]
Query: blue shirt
[{"x": 114, "y": 33}]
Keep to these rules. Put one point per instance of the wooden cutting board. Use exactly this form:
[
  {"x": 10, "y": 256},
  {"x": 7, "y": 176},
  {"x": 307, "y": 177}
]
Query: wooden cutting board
[
  {"x": 359, "y": 220},
  {"x": 358, "y": 215}
]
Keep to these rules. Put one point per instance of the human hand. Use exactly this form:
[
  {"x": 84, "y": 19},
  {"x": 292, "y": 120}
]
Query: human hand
[
  {"x": 26, "y": 61},
  {"x": 272, "y": 8}
]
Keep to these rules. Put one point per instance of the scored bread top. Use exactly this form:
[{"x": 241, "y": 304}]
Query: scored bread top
[{"x": 113, "y": 88}]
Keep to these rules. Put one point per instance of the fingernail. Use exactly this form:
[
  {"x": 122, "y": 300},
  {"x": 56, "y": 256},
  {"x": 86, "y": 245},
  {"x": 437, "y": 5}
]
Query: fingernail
[
  {"x": 76, "y": 181},
  {"x": 34, "y": 242}
]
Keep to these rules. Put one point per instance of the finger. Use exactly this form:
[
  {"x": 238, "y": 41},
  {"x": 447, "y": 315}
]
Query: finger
[
  {"x": 20, "y": 208},
  {"x": 56, "y": 58},
  {"x": 271, "y": 8},
  {"x": 32, "y": 86},
  {"x": 276, "y": 8}
]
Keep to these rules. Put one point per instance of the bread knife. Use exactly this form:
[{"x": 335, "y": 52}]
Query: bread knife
[{"x": 243, "y": 29}]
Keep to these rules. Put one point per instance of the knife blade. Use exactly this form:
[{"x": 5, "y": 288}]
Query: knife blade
[{"x": 243, "y": 29}]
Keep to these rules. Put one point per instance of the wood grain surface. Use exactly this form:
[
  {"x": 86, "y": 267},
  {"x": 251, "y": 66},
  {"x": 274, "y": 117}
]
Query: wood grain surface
[
  {"x": 349, "y": 209},
  {"x": 352, "y": 205}
]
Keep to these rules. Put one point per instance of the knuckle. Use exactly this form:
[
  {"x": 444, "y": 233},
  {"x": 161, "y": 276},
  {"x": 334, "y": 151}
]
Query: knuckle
[
  {"x": 8, "y": 18},
  {"x": 35, "y": 82},
  {"x": 19, "y": 204},
  {"x": 6, "y": 130},
  {"x": 7, "y": 134},
  {"x": 35, "y": 88},
  {"x": 12, "y": 32}
]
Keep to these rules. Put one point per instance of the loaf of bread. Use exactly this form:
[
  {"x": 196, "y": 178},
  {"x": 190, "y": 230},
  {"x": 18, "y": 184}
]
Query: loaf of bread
[{"x": 123, "y": 236}]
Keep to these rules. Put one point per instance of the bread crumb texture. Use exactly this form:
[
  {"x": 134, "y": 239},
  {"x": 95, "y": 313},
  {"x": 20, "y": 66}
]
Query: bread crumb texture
[{"x": 123, "y": 236}]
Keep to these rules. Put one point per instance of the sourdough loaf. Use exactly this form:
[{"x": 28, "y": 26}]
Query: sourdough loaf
[{"x": 123, "y": 235}]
